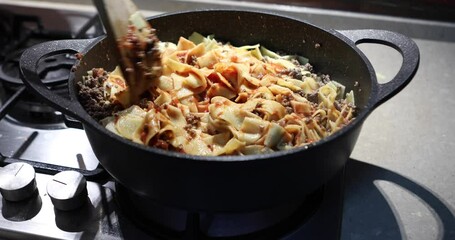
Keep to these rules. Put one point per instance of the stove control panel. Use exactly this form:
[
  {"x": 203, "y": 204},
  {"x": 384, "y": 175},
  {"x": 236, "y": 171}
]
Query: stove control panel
[
  {"x": 67, "y": 190},
  {"x": 61, "y": 206},
  {"x": 17, "y": 181}
]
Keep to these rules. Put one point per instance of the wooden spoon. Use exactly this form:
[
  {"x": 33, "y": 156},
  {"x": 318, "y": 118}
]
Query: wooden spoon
[{"x": 133, "y": 42}]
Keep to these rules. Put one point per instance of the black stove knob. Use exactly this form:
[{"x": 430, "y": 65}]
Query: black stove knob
[
  {"x": 67, "y": 190},
  {"x": 17, "y": 181}
]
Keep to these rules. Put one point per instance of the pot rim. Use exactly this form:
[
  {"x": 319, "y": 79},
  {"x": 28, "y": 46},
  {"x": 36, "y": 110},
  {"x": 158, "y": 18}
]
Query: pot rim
[
  {"x": 358, "y": 120},
  {"x": 379, "y": 93}
]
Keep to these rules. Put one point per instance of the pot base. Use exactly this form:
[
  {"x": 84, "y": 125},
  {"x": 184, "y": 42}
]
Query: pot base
[{"x": 319, "y": 214}]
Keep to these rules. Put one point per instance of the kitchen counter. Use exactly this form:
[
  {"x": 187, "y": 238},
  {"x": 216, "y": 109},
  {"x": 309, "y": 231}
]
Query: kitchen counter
[
  {"x": 401, "y": 175},
  {"x": 400, "y": 180}
]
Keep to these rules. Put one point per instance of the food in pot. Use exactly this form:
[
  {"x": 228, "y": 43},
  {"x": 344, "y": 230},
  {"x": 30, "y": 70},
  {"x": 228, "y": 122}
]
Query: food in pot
[{"x": 217, "y": 99}]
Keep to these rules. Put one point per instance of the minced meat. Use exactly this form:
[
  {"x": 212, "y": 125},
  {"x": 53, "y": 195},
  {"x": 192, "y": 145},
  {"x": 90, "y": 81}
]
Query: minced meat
[{"x": 91, "y": 95}]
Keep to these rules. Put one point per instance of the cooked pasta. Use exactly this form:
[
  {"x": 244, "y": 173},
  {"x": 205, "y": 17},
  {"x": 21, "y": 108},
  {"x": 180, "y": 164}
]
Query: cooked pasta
[{"x": 216, "y": 99}]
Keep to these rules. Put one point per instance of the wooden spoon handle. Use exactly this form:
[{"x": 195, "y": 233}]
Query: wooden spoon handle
[
  {"x": 133, "y": 42},
  {"x": 115, "y": 15}
]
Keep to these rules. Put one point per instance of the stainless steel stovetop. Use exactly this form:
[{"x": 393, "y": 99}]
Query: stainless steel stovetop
[{"x": 101, "y": 216}]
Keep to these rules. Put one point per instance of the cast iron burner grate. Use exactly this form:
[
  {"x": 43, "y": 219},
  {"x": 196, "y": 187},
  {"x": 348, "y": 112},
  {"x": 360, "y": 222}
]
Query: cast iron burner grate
[
  {"x": 54, "y": 69},
  {"x": 316, "y": 217},
  {"x": 20, "y": 32},
  {"x": 30, "y": 110},
  {"x": 170, "y": 223}
]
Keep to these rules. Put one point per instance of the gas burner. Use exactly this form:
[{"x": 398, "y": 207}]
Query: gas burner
[
  {"x": 165, "y": 222},
  {"x": 35, "y": 114},
  {"x": 6, "y": 27},
  {"x": 17, "y": 30},
  {"x": 30, "y": 110},
  {"x": 22, "y": 32},
  {"x": 52, "y": 69}
]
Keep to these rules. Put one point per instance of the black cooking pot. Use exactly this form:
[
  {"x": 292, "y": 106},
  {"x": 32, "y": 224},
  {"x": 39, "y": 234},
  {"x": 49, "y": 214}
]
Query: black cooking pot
[{"x": 233, "y": 183}]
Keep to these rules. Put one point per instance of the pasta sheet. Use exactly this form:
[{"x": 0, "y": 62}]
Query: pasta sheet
[{"x": 217, "y": 99}]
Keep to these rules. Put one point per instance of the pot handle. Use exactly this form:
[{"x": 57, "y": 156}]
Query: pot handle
[
  {"x": 29, "y": 63},
  {"x": 404, "y": 45}
]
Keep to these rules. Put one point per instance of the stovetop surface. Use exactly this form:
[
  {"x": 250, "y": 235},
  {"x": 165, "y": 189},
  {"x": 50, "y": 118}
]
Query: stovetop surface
[
  {"x": 36, "y": 218},
  {"x": 69, "y": 147},
  {"x": 102, "y": 217},
  {"x": 399, "y": 180}
]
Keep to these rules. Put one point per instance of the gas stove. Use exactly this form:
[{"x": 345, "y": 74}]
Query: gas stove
[
  {"x": 398, "y": 182},
  {"x": 52, "y": 186}
]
